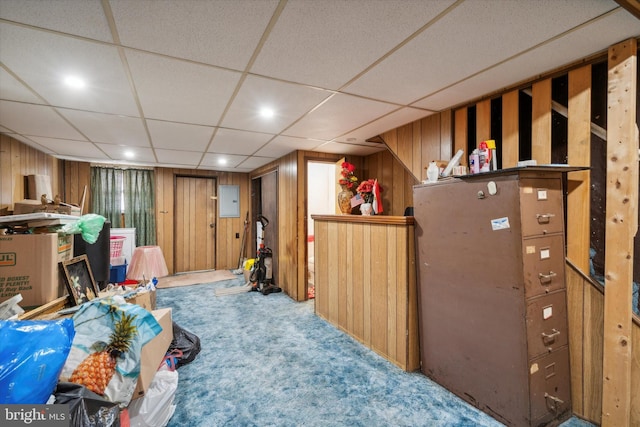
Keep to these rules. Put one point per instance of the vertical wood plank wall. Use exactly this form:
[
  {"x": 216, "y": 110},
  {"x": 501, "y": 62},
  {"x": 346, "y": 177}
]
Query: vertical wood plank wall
[
  {"x": 78, "y": 174},
  {"x": 77, "y": 177},
  {"x": 418, "y": 143},
  {"x": 17, "y": 160},
  {"x": 227, "y": 245},
  {"x": 373, "y": 298},
  {"x": 585, "y": 299},
  {"x": 396, "y": 181},
  {"x": 292, "y": 172}
]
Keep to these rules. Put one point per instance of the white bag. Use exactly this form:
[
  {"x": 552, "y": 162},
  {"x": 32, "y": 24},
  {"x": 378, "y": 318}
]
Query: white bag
[{"x": 156, "y": 407}]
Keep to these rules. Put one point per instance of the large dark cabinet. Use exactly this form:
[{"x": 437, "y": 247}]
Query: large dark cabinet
[{"x": 492, "y": 298}]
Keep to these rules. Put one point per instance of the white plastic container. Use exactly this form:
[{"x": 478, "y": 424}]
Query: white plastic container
[{"x": 432, "y": 172}]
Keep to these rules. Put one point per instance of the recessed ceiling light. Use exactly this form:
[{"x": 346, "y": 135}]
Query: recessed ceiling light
[
  {"x": 267, "y": 113},
  {"x": 129, "y": 154},
  {"x": 74, "y": 82},
  {"x": 222, "y": 161}
]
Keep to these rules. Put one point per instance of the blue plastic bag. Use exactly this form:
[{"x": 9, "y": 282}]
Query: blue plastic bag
[{"x": 32, "y": 354}]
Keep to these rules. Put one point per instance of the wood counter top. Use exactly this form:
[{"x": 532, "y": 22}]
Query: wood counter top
[{"x": 373, "y": 219}]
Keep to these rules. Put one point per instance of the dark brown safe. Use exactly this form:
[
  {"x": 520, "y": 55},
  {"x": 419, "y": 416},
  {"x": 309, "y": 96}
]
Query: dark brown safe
[{"x": 492, "y": 298}]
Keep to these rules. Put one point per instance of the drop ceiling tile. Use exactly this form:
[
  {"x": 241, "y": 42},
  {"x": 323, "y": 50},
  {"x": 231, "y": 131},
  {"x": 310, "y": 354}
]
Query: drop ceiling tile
[
  {"x": 353, "y": 149},
  {"x": 214, "y": 159},
  {"x": 589, "y": 39},
  {"x": 68, "y": 147},
  {"x": 43, "y": 60},
  {"x": 179, "y": 135},
  {"x": 12, "y": 90},
  {"x": 88, "y": 16},
  {"x": 393, "y": 120},
  {"x": 327, "y": 43},
  {"x": 473, "y": 36},
  {"x": 37, "y": 120},
  {"x": 288, "y": 101},
  {"x": 238, "y": 142},
  {"x": 31, "y": 143},
  {"x": 222, "y": 33},
  {"x": 337, "y": 116},
  {"x": 117, "y": 152},
  {"x": 178, "y": 157},
  {"x": 181, "y": 91},
  {"x": 108, "y": 128},
  {"x": 283, "y": 145},
  {"x": 254, "y": 162}
]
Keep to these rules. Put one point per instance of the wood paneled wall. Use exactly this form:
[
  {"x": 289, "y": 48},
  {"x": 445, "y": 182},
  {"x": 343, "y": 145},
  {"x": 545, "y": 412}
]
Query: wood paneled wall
[
  {"x": 17, "y": 160},
  {"x": 292, "y": 242},
  {"x": 418, "y": 143},
  {"x": 371, "y": 297},
  {"x": 77, "y": 177},
  {"x": 78, "y": 174},
  {"x": 397, "y": 182},
  {"x": 227, "y": 245},
  {"x": 586, "y": 306}
]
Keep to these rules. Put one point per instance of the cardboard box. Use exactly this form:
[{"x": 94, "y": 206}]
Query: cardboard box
[
  {"x": 29, "y": 266},
  {"x": 154, "y": 351},
  {"x": 27, "y": 206},
  {"x": 146, "y": 300}
]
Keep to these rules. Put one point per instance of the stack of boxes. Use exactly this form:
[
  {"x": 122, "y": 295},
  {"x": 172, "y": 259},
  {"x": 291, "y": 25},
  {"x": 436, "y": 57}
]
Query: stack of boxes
[{"x": 118, "y": 272}]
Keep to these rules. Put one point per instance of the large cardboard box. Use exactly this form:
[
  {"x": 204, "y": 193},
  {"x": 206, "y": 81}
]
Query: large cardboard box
[
  {"x": 29, "y": 266},
  {"x": 154, "y": 351}
]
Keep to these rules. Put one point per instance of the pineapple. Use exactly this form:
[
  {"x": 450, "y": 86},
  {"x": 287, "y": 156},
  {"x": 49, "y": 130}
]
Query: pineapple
[{"x": 96, "y": 370}]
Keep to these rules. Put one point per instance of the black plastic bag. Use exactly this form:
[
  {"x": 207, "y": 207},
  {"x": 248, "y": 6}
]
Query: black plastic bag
[
  {"x": 186, "y": 342},
  {"x": 86, "y": 408}
]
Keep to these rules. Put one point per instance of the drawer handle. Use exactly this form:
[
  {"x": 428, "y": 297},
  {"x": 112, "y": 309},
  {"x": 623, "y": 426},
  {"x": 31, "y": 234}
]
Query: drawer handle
[
  {"x": 546, "y": 278},
  {"x": 544, "y": 218},
  {"x": 550, "y": 337},
  {"x": 553, "y": 403}
]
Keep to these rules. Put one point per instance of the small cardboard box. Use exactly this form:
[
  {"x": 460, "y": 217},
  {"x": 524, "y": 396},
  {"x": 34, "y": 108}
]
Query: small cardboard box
[
  {"x": 29, "y": 266},
  {"x": 154, "y": 351},
  {"x": 145, "y": 299}
]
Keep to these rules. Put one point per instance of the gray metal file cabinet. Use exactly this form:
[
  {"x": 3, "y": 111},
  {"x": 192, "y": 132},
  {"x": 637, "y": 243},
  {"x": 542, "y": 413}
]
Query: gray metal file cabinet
[{"x": 492, "y": 298}]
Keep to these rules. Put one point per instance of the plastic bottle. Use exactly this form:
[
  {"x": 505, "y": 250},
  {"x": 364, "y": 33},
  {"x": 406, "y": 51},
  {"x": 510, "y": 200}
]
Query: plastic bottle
[
  {"x": 432, "y": 172},
  {"x": 485, "y": 157},
  {"x": 474, "y": 162}
]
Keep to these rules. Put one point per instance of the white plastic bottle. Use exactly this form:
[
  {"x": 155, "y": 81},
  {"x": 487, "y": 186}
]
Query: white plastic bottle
[{"x": 432, "y": 172}]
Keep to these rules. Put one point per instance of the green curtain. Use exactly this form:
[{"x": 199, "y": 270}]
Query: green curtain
[
  {"x": 106, "y": 193},
  {"x": 139, "y": 204}
]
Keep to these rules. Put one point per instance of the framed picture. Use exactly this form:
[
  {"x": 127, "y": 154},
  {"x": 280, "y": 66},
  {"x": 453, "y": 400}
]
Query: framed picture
[{"x": 78, "y": 279}]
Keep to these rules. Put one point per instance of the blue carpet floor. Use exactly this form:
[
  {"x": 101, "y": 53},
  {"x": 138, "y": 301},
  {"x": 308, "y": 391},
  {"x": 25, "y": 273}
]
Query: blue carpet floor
[{"x": 270, "y": 361}]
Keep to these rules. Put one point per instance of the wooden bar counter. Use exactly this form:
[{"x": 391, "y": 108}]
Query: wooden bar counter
[{"x": 365, "y": 282}]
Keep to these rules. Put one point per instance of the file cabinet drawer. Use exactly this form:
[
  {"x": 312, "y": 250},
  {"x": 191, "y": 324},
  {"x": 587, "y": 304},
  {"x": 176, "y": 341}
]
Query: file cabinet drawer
[
  {"x": 541, "y": 206},
  {"x": 546, "y": 319},
  {"x": 550, "y": 387},
  {"x": 543, "y": 265}
]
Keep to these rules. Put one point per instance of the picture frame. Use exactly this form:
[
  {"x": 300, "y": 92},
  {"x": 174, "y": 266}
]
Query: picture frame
[{"x": 78, "y": 279}]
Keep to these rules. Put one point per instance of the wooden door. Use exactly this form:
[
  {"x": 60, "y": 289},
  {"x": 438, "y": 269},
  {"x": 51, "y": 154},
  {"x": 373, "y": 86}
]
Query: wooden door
[{"x": 195, "y": 222}]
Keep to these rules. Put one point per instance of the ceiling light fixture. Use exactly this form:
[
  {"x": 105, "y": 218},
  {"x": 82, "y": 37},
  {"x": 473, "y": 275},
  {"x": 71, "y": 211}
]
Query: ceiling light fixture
[
  {"x": 267, "y": 113},
  {"x": 74, "y": 82},
  {"x": 129, "y": 154},
  {"x": 222, "y": 161}
]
